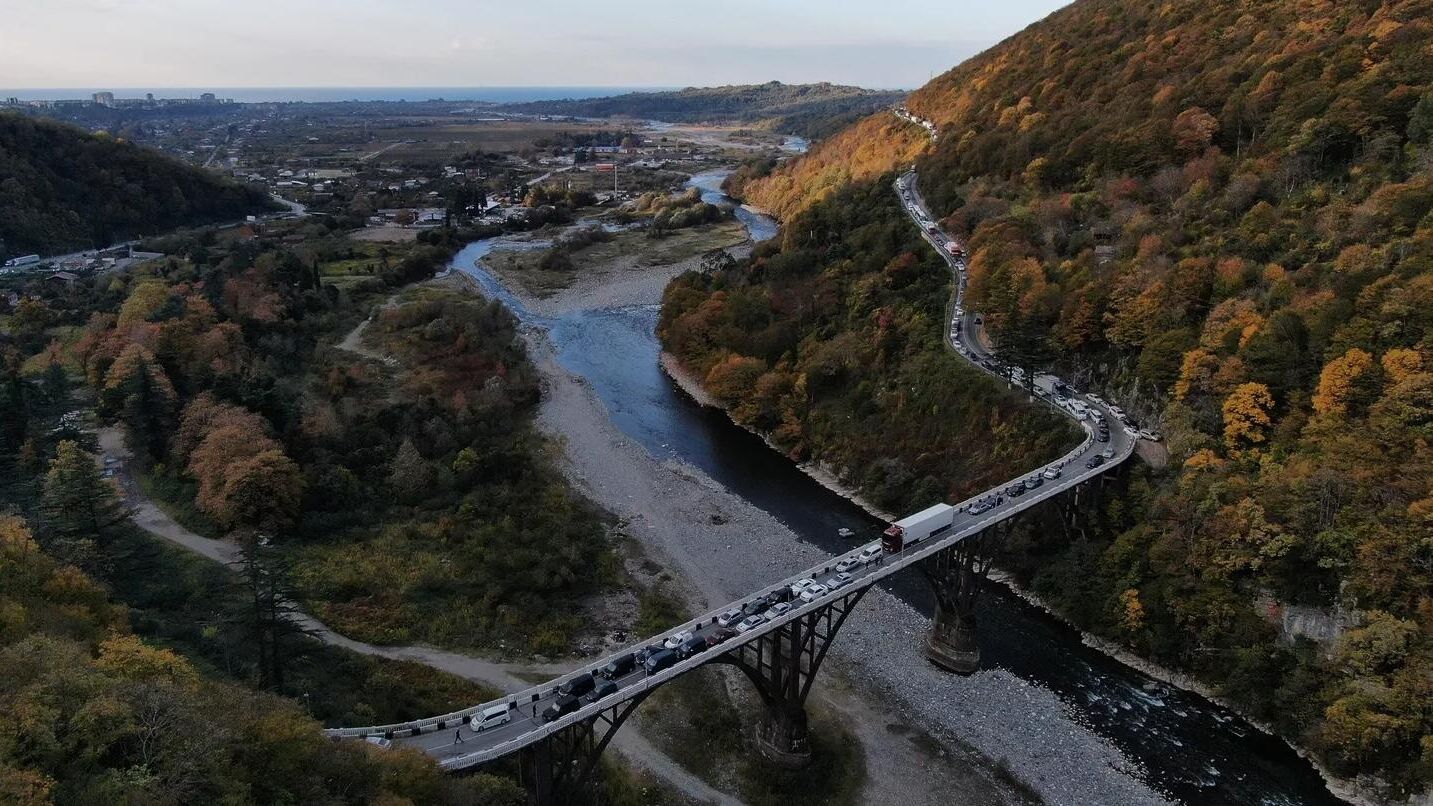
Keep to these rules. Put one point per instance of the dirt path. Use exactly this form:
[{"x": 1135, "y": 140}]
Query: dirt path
[{"x": 353, "y": 341}]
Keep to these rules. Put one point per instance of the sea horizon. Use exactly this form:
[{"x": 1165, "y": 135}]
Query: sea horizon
[{"x": 498, "y": 94}]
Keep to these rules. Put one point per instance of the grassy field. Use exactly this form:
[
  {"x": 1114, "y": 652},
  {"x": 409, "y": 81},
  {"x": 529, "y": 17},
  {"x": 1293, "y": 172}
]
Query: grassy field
[
  {"x": 627, "y": 250},
  {"x": 439, "y": 140}
]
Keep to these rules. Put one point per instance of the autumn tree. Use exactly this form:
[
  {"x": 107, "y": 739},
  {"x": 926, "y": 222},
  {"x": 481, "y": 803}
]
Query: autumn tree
[
  {"x": 1247, "y": 418},
  {"x": 138, "y": 392},
  {"x": 1400, "y": 362},
  {"x": 1346, "y": 382},
  {"x": 245, "y": 478}
]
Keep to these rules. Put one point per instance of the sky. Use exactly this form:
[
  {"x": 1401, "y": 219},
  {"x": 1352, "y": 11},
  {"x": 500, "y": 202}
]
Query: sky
[{"x": 474, "y": 43}]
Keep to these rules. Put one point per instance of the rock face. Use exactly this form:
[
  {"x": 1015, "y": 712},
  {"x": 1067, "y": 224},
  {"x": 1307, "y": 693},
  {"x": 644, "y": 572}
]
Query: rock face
[{"x": 1321, "y": 625}]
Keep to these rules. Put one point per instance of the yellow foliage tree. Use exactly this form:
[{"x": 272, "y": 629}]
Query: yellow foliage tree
[
  {"x": 1401, "y": 362},
  {"x": 1203, "y": 459},
  {"x": 1339, "y": 382},
  {"x": 732, "y": 378},
  {"x": 1131, "y": 611},
  {"x": 1196, "y": 373},
  {"x": 127, "y": 657},
  {"x": 143, "y": 302},
  {"x": 1246, "y": 417}
]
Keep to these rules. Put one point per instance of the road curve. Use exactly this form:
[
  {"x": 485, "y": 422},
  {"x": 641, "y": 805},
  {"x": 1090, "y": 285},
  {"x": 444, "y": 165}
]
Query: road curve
[{"x": 438, "y": 735}]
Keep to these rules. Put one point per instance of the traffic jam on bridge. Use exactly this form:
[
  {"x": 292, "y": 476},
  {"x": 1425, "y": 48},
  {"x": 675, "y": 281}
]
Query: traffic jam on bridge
[{"x": 476, "y": 735}]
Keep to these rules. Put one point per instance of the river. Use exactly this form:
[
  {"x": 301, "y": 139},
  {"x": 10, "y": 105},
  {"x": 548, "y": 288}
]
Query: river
[{"x": 1191, "y": 749}]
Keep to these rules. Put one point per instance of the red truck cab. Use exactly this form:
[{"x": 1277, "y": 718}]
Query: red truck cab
[{"x": 893, "y": 539}]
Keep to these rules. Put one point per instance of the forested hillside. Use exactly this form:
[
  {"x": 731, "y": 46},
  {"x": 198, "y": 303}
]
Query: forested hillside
[
  {"x": 63, "y": 189},
  {"x": 832, "y": 346},
  {"x": 1219, "y": 213},
  {"x": 809, "y": 110}
]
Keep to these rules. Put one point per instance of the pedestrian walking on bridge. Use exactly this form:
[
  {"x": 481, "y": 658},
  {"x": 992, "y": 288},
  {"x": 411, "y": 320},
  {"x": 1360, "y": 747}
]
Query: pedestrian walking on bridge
[{"x": 458, "y": 736}]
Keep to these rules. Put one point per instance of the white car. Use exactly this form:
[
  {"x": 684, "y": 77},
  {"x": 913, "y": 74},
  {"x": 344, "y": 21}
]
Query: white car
[
  {"x": 802, "y": 584},
  {"x": 491, "y": 718},
  {"x": 1051, "y": 473},
  {"x": 1150, "y": 435},
  {"x": 777, "y": 611},
  {"x": 730, "y": 617},
  {"x": 1096, "y": 398},
  {"x": 847, "y": 564},
  {"x": 869, "y": 554},
  {"x": 379, "y": 741},
  {"x": 1108, "y": 453},
  {"x": 840, "y": 580},
  {"x": 814, "y": 592},
  {"x": 677, "y": 640},
  {"x": 750, "y": 623}
]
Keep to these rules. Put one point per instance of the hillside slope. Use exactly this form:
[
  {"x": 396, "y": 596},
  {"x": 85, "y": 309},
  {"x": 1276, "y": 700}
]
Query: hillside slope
[
  {"x": 1218, "y": 212},
  {"x": 63, "y": 189},
  {"x": 809, "y": 110}
]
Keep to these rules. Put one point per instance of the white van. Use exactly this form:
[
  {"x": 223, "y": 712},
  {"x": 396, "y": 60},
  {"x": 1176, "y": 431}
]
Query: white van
[{"x": 491, "y": 718}]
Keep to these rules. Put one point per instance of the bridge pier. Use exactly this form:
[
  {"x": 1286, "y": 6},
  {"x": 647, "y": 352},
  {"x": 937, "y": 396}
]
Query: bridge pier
[
  {"x": 783, "y": 664},
  {"x": 558, "y": 769},
  {"x": 956, "y": 575},
  {"x": 784, "y": 735},
  {"x": 951, "y": 643}
]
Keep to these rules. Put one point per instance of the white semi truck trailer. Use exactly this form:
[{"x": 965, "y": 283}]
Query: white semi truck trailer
[{"x": 915, "y": 528}]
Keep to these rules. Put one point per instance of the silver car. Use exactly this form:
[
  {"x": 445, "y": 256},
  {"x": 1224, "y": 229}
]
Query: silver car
[{"x": 750, "y": 623}]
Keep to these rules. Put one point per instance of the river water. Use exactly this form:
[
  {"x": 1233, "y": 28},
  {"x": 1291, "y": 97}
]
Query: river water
[{"x": 1190, "y": 749}]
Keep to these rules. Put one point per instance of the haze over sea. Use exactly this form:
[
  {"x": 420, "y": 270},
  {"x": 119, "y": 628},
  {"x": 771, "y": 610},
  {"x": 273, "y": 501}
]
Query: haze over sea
[{"x": 322, "y": 94}]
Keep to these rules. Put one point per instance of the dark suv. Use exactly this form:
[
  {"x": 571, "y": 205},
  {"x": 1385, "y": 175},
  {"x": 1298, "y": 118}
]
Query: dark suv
[
  {"x": 619, "y": 667},
  {"x": 659, "y": 661},
  {"x": 560, "y": 707},
  {"x": 577, "y": 686}
]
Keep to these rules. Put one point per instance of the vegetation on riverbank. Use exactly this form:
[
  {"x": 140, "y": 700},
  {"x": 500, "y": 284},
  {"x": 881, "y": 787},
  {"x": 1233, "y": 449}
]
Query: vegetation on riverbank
[
  {"x": 1220, "y": 216},
  {"x": 98, "y": 715},
  {"x": 589, "y": 253},
  {"x": 832, "y": 346}
]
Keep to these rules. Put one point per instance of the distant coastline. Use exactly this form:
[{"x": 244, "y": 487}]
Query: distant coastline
[{"x": 250, "y": 95}]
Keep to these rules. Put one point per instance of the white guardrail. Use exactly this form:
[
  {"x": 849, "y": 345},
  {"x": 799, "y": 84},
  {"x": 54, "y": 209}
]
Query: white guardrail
[{"x": 887, "y": 566}]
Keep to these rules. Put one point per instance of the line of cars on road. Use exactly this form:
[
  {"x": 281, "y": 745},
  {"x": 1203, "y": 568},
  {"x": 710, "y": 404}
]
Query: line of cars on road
[
  {"x": 588, "y": 688},
  {"x": 1063, "y": 395}
]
